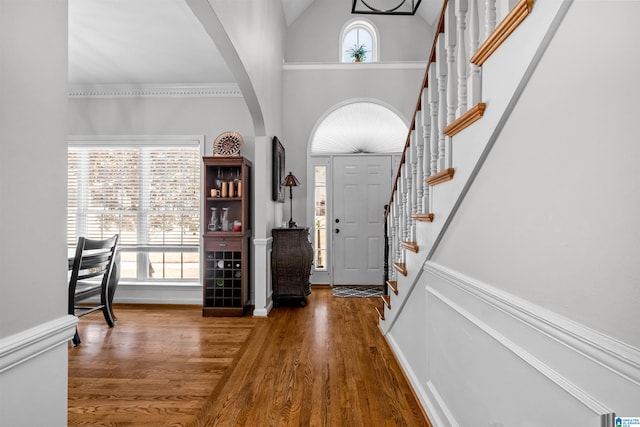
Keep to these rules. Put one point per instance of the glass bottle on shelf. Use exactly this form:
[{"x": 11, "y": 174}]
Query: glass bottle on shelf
[
  {"x": 225, "y": 219},
  {"x": 214, "y": 223},
  {"x": 218, "y": 182}
]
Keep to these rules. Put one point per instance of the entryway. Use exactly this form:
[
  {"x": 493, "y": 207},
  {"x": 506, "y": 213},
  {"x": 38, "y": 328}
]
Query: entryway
[{"x": 353, "y": 154}]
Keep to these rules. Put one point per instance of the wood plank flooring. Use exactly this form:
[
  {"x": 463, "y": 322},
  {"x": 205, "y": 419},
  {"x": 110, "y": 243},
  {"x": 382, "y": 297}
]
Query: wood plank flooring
[{"x": 325, "y": 364}]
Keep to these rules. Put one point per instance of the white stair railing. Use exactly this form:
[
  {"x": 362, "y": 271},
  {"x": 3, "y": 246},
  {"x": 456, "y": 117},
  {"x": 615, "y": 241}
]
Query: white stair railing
[{"x": 452, "y": 90}]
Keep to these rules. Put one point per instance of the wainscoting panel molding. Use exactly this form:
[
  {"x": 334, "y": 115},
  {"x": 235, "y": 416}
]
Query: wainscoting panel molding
[{"x": 495, "y": 359}]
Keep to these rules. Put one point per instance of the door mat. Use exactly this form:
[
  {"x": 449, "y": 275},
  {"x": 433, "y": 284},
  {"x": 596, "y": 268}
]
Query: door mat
[{"x": 357, "y": 291}]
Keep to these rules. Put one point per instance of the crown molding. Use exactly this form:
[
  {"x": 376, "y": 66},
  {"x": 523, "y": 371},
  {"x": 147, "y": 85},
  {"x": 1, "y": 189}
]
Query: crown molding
[
  {"x": 214, "y": 90},
  {"x": 354, "y": 66}
]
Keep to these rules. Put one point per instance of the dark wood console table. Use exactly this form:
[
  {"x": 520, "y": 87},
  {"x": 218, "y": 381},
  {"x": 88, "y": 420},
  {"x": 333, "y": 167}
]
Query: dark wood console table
[{"x": 291, "y": 260}]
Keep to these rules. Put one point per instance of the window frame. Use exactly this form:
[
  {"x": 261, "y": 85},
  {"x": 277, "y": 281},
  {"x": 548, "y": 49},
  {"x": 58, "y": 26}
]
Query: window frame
[
  {"x": 367, "y": 26},
  {"x": 144, "y": 250}
]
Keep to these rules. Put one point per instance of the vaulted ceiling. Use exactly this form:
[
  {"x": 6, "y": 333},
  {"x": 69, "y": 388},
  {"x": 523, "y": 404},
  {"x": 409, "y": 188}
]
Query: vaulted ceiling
[{"x": 155, "y": 42}]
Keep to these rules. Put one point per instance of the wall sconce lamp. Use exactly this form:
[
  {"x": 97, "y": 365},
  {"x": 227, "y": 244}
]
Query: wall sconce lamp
[{"x": 291, "y": 181}]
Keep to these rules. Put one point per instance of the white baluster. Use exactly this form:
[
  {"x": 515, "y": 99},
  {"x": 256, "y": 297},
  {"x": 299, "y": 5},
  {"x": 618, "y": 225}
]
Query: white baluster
[
  {"x": 396, "y": 225},
  {"x": 450, "y": 39},
  {"x": 413, "y": 190},
  {"x": 405, "y": 203},
  {"x": 462, "y": 59},
  {"x": 442, "y": 100},
  {"x": 434, "y": 135},
  {"x": 390, "y": 244},
  {"x": 419, "y": 162},
  {"x": 409, "y": 180},
  {"x": 489, "y": 17},
  {"x": 475, "y": 80},
  {"x": 401, "y": 205},
  {"x": 426, "y": 137},
  {"x": 403, "y": 209},
  {"x": 452, "y": 81}
]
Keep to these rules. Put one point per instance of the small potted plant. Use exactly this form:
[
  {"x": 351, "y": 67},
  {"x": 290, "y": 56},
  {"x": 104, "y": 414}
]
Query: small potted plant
[{"x": 357, "y": 53}]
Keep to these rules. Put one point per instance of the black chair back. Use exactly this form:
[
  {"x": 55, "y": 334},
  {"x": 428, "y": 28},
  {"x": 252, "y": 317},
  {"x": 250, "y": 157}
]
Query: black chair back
[{"x": 90, "y": 276}]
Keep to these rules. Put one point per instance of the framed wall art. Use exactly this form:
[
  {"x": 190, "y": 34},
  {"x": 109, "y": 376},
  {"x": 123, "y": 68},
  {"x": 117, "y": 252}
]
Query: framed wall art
[{"x": 278, "y": 171}]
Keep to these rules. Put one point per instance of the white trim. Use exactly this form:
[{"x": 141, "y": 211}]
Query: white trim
[
  {"x": 438, "y": 409},
  {"x": 263, "y": 301},
  {"x": 25, "y": 345},
  {"x": 570, "y": 388},
  {"x": 213, "y": 90},
  {"x": 418, "y": 388},
  {"x": 594, "y": 370},
  {"x": 618, "y": 357},
  {"x": 152, "y": 293},
  {"x": 138, "y": 140},
  {"x": 357, "y": 66}
]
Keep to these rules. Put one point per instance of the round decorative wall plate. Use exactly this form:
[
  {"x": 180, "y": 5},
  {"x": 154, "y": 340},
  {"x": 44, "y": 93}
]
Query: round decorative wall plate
[{"x": 227, "y": 144}]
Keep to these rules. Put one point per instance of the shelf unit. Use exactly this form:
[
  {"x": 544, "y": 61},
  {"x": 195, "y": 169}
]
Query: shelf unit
[{"x": 226, "y": 263}]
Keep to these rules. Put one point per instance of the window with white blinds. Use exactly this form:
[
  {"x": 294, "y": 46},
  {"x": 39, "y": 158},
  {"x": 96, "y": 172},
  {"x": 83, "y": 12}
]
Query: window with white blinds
[{"x": 146, "y": 189}]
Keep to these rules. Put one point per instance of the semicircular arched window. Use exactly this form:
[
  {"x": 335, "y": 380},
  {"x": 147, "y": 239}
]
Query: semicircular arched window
[{"x": 359, "y": 42}]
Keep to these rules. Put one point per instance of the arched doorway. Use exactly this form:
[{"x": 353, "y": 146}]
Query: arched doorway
[{"x": 353, "y": 152}]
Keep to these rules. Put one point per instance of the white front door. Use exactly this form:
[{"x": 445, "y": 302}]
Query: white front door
[{"x": 361, "y": 188}]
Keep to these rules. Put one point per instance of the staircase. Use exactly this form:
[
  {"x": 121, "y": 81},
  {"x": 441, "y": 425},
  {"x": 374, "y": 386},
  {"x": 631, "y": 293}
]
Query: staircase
[{"x": 449, "y": 105}]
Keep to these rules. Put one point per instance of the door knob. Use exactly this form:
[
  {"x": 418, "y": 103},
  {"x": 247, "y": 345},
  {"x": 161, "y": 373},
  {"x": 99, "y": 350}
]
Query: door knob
[
  {"x": 337, "y": 220},
  {"x": 337, "y": 230}
]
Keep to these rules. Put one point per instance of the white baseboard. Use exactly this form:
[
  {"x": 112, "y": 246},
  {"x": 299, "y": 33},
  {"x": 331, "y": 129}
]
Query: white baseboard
[{"x": 159, "y": 294}]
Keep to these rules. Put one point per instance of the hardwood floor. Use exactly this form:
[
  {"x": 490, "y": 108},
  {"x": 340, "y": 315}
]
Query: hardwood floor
[{"x": 325, "y": 364}]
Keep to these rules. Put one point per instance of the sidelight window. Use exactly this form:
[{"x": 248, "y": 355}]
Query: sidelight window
[{"x": 320, "y": 223}]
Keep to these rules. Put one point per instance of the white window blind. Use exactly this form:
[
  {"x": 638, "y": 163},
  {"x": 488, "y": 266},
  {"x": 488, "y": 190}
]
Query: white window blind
[{"x": 146, "y": 190}]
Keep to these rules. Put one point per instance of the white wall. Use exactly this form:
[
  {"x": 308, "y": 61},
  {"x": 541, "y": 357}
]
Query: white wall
[
  {"x": 33, "y": 281},
  {"x": 315, "y": 35}
]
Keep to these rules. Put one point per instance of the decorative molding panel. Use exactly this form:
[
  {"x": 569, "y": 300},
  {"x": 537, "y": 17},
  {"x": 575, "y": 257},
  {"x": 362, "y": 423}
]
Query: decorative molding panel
[
  {"x": 23, "y": 346},
  {"x": 619, "y": 357},
  {"x": 155, "y": 91},
  {"x": 592, "y": 373}
]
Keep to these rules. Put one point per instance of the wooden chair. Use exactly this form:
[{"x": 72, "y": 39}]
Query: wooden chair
[{"x": 94, "y": 260}]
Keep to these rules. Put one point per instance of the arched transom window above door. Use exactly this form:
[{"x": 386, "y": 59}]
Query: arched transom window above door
[
  {"x": 359, "y": 42},
  {"x": 359, "y": 127}
]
